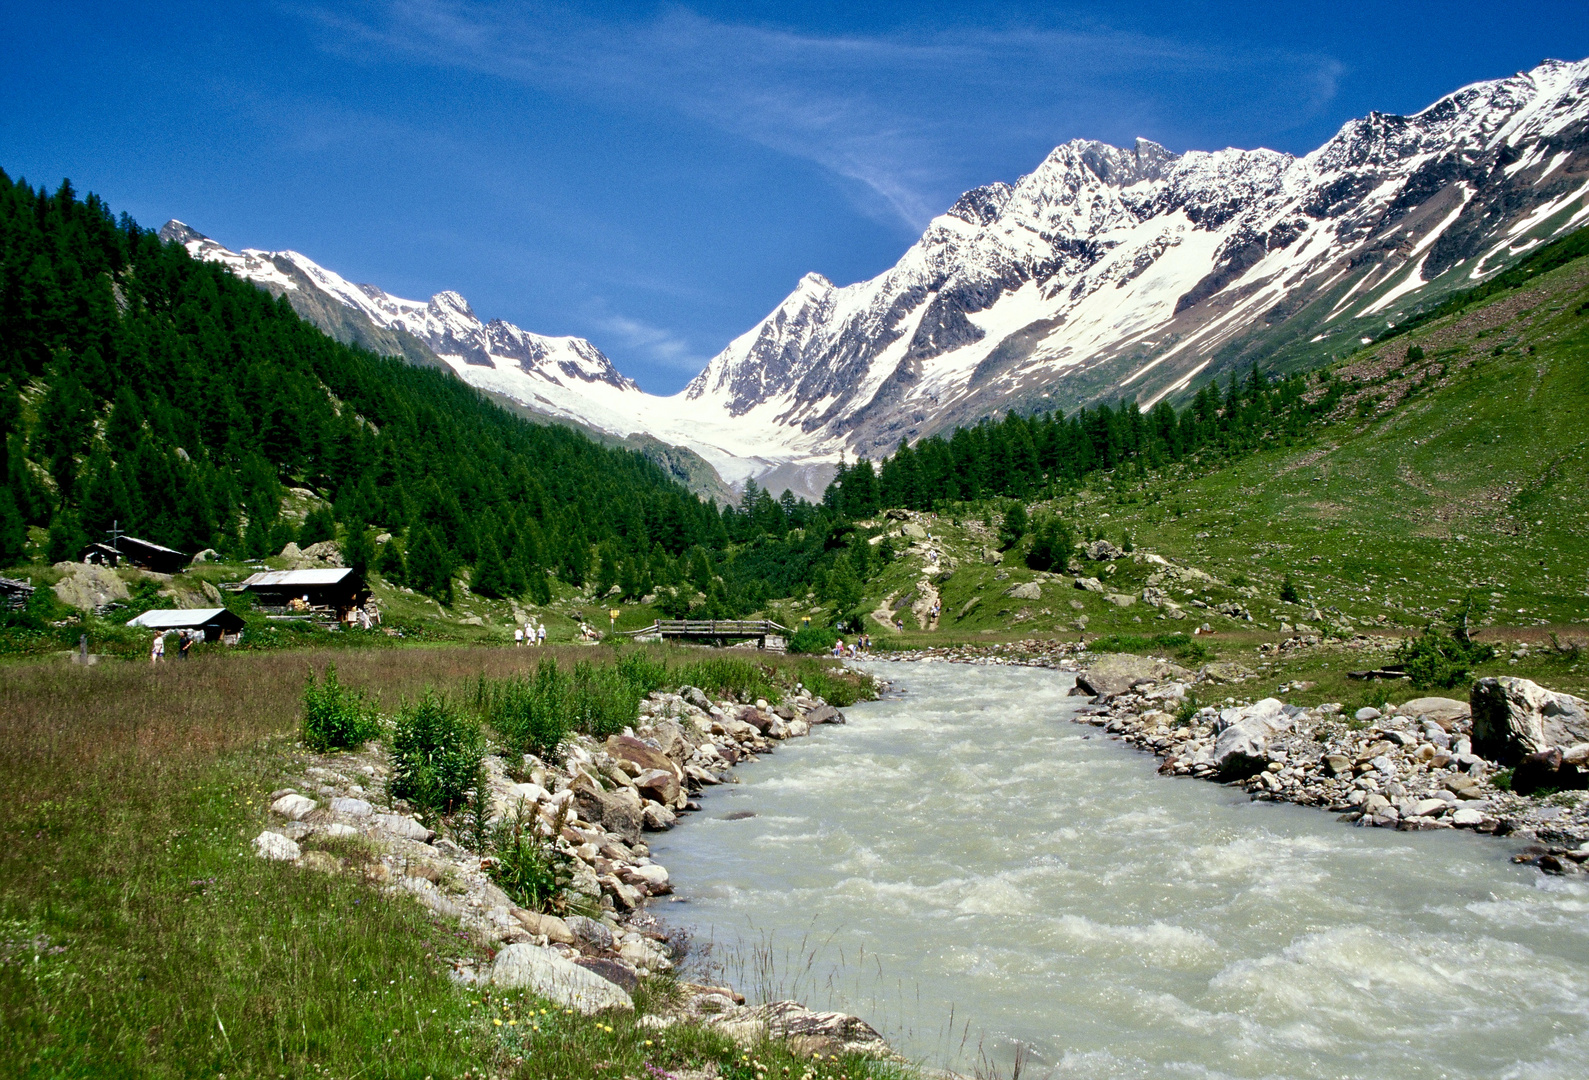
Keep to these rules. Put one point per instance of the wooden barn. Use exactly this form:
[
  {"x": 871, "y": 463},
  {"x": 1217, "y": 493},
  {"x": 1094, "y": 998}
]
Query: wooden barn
[
  {"x": 338, "y": 590},
  {"x": 135, "y": 552},
  {"x": 216, "y": 624}
]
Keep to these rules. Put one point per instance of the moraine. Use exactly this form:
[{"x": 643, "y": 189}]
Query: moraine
[{"x": 965, "y": 850}]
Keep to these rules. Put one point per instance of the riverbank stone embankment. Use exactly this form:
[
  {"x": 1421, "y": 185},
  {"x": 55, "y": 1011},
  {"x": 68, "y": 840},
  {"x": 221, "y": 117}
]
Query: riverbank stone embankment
[
  {"x": 331, "y": 814},
  {"x": 1512, "y": 760}
]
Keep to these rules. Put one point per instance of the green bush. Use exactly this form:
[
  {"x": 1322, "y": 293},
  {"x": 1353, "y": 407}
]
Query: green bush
[
  {"x": 812, "y": 640},
  {"x": 604, "y": 701},
  {"x": 1288, "y": 591},
  {"x": 1052, "y": 543},
  {"x": 744, "y": 680},
  {"x": 529, "y": 714},
  {"x": 334, "y": 717},
  {"x": 436, "y": 755},
  {"x": 528, "y": 866},
  {"x": 837, "y": 688},
  {"x": 1436, "y": 661}
]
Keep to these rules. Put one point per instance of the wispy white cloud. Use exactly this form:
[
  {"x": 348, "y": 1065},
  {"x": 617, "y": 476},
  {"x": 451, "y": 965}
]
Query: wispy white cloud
[
  {"x": 894, "y": 117},
  {"x": 656, "y": 344}
]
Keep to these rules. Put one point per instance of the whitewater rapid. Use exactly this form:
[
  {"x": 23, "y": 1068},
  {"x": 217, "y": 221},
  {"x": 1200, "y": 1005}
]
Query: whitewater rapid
[{"x": 970, "y": 871}]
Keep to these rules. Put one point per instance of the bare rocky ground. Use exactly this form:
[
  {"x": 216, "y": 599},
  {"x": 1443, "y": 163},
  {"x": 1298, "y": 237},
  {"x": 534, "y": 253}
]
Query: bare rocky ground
[
  {"x": 1508, "y": 762},
  {"x": 331, "y": 813}
]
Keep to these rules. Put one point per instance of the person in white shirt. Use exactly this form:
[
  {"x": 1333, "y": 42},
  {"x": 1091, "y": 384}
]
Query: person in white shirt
[
  {"x": 540, "y": 635},
  {"x": 518, "y": 636}
]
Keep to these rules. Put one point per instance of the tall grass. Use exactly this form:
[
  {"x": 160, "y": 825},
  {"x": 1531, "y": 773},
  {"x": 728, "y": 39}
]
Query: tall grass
[{"x": 140, "y": 936}]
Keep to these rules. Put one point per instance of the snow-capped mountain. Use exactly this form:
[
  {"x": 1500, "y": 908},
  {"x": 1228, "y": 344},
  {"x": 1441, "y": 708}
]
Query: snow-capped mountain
[
  {"x": 1105, "y": 273},
  {"x": 1110, "y": 272}
]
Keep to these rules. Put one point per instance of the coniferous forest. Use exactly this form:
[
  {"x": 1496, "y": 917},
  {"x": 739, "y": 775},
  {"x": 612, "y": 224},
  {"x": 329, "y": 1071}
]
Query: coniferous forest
[{"x": 142, "y": 387}]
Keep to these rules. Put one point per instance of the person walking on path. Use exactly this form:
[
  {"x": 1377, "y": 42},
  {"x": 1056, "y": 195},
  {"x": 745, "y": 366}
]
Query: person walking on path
[
  {"x": 540, "y": 635},
  {"x": 185, "y": 646},
  {"x": 157, "y": 652}
]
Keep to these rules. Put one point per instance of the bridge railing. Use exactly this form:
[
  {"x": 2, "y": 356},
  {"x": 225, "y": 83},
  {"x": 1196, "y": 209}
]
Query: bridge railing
[{"x": 711, "y": 628}]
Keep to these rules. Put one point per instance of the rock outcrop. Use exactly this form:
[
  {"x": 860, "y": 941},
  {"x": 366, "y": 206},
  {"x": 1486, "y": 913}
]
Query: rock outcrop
[{"x": 1514, "y": 718}]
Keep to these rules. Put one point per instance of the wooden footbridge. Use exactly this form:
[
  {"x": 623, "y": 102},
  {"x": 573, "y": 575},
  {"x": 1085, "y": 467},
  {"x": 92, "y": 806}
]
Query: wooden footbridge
[{"x": 768, "y": 634}]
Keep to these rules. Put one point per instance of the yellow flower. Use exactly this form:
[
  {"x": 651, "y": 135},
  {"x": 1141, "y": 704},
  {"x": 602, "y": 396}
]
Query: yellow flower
[
  {"x": 498, "y": 1023},
  {"x": 648, "y": 1042},
  {"x": 513, "y": 1023}
]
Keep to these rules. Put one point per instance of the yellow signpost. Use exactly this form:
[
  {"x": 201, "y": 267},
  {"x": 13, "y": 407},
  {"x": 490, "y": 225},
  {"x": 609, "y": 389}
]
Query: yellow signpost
[{"x": 613, "y": 616}]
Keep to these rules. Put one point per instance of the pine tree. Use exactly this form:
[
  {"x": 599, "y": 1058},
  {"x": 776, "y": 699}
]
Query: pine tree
[
  {"x": 490, "y": 572},
  {"x": 392, "y": 565},
  {"x": 13, "y": 533},
  {"x": 429, "y": 568},
  {"x": 358, "y": 550}
]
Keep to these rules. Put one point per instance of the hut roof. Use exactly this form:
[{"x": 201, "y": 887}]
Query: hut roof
[
  {"x": 286, "y": 579},
  {"x": 185, "y": 619}
]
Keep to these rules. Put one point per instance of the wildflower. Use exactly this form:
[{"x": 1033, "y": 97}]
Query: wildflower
[{"x": 498, "y": 1023}]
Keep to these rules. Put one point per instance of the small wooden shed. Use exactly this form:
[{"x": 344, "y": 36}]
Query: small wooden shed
[
  {"x": 337, "y": 589},
  {"x": 135, "y": 552},
  {"x": 216, "y": 624}
]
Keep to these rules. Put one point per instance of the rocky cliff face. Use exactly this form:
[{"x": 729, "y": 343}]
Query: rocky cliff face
[
  {"x": 1105, "y": 273},
  {"x": 1110, "y": 272}
]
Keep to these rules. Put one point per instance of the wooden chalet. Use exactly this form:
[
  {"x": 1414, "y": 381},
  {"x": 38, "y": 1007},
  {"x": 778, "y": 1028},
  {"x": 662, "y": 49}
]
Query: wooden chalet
[
  {"x": 136, "y": 552},
  {"x": 216, "y": 624},
  {"x": 336, "y": 590}
]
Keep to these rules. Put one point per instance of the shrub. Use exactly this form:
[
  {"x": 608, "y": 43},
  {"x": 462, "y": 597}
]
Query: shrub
[
  {"x": 1288, "y": 591},
  {"x": 1052, "y": 543},
  {"x": 837, "y": 688},
  {"x": 604, "y": 701},
  {"x": 812, "y": 640},
  {"x": 1013, "y": 527},
  {"x": 436, "y": 755},
  {"x": 530, "y": 714},
  {"x": 744, "y": 680},
  {"x": 334, "y": 717},
  {"x": 528, "y": 866},
  {"x": 1434, "y": 660}
]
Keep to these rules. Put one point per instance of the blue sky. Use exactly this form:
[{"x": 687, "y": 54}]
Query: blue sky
[{"x": 656, "y": 177}]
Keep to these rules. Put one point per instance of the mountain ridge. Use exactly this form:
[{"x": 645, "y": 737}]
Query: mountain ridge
[{"x": 1105, "y": 273}]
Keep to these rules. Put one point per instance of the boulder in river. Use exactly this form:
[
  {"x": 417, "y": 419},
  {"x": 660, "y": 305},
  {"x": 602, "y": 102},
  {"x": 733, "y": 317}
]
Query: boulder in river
[
  {"x": 1442, "y": 710},
  {"x": 1513, "y": 718}
]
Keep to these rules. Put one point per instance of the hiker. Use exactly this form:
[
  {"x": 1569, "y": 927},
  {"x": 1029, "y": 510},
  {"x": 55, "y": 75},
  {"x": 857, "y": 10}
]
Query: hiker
[
  {"x": 838, "y": 648},
  {"x": 540, "y": 635},
  {"x": 518, "y": 637},
  {"x": 157, "y": 652},
  {"x": 184, "y": 646},
  {"x": 529, "y": 632}
]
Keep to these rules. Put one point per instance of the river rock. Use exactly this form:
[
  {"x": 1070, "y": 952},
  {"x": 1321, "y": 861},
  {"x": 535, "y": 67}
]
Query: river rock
[
  {"x": 658, "y": 785},
  {"x": 403, "y": 826},
  {"x": 293, "y": 807},
  {"x": 657, "y": 818},
  {"x": 1241, "y": 744},
  {"x": 1027, "y": 590},
  {"x": 273, "y": 845},
  {"x": 607, "y": 809},
  {"x": 808, "y": 1033},
  {"x": 529, "y": 967},
  {"x": 632, "y": 749},
  {"x": 1116, "y": 673},
  {"x": 1513, "y": 718},
  {"x": 86, "y": 586},
  {"x": 824, "y": 714},
  {"x": 537, "y": 922},
  {"x": 1443, "y": 711},
  {"x": 590, "y": 931},
  {"x": 352, "y": 807},
  {"x": 697, "y": 697},
  {"x": 616, "y": 972}
]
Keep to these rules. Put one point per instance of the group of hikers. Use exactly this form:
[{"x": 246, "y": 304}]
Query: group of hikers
[
  {"x": 861, "y": 644},
  {"x": 531, "y": 633},
  {"x": 185, "y": 642}
]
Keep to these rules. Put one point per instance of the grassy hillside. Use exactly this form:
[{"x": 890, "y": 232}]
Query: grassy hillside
[{"x": 1455, "y": 463}]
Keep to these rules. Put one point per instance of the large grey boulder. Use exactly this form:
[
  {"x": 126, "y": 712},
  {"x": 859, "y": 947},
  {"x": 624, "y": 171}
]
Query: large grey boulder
[
  {"x": 1241, "y": 736},
  {"x": 610, "y": 810},
  {"x": 1028, "y": 590},
  {"x": 1442, "y": 710},
  {"x": 273, "y": 845},
  {"x": 87, "y": 587},
  {"x": 1116, "y": 673},
  {"x": 1513, "y": 718},
  {"x": 1102, "y": 551},
  {"x": 529, "y": 967}
]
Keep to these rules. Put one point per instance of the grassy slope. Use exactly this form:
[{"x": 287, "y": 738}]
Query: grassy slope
[
  {"x": 139, "y": 936},
  {"x": 1477, "y": 479}
]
